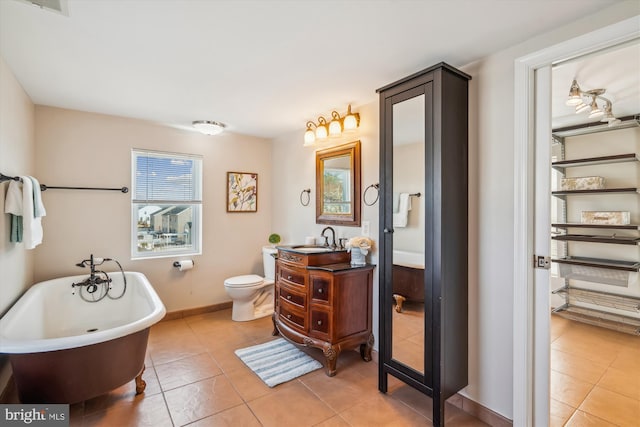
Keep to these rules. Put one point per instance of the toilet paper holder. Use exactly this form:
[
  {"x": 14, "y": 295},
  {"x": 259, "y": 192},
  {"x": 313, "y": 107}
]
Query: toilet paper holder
[{"x": 177, "y": 264}]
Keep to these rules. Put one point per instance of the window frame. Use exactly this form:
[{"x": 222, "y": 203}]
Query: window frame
[{"x": 195, "y": 204}]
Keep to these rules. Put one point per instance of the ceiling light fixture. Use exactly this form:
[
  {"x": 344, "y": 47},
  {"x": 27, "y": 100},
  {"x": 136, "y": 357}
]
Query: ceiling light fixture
[
  {"x": 209, "y": 127},
  {"x": 334, "y": 129},
  {"x": 577, "y": 98}
]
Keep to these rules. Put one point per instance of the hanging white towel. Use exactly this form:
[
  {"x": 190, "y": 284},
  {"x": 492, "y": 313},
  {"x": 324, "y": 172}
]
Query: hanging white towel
[
  {"x": 401, "y": 218},
  {"x": 13, "y": 206},
  {"x": 38, "y": 206},
  {"x": 32, "y": 225}
]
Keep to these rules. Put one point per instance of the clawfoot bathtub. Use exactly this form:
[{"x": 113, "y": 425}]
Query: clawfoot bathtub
[{"x": 64, "y": 349}]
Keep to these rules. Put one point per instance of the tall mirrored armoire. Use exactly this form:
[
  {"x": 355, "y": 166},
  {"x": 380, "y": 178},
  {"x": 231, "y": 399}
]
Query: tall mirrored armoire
[{"x": 423, "y": 238}]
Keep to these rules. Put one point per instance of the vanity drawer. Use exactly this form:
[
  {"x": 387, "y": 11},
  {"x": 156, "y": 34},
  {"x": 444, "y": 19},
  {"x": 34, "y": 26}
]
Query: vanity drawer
[
  {"x": 320, "y": 322},
  {"x": 291, "y": 316},
  {"x": 293, "y": 276},
  {"x": 292, "y": 296},
  {"x": 320, "y": 289}
]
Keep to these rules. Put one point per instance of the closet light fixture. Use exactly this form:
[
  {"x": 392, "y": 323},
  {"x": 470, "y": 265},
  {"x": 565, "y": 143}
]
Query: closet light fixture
[
  {"x": 577, "y": 98},
  {"x": 208, "y": 127},
  {"x": 335, "y": 128}
]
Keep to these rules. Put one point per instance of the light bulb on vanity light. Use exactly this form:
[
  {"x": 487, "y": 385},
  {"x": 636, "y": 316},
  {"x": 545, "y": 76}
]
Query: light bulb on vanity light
[
  {"x": 351, "y": 121},
  {"x": 321, "y": 129},
  {"x": 335, "y": 127},
  {"x": 309, "y": 135}
]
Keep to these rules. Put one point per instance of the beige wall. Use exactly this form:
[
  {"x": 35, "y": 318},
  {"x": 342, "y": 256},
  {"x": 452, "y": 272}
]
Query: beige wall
[
  {"x": 92, "y": 150},
  {"x": 17, "y": 155}
]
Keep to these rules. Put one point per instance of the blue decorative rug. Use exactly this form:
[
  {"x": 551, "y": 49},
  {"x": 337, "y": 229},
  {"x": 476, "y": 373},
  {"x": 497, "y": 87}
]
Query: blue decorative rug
[{"x": 277, "y": 361}]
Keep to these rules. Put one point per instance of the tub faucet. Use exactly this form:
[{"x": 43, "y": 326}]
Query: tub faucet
[
  {"x": 326, "y": 238},
  {"x": 94, "y": 280}
]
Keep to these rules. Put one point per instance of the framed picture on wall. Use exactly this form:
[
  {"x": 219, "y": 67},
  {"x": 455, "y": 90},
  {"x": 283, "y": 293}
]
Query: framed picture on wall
[{"x": 242, "y": 192}]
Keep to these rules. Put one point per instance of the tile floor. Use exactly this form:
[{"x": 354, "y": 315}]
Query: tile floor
[
  {"x": 194, "y": 378},
  {"x": 595, "y": 376},
  {"x": 408, "y": 335}
]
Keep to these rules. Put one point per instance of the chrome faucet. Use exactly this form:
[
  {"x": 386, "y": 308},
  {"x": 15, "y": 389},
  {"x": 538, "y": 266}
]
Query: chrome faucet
[
  {"x": 94, "y": 280},
  {"x": 326, "y": 238}
]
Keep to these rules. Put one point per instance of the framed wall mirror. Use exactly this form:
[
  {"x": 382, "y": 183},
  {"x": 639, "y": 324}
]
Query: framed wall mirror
[{"x": 338, "y": 185}]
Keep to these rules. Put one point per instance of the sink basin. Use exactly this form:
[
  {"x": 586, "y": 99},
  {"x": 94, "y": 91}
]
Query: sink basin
[{"x": 310, "y": 249}]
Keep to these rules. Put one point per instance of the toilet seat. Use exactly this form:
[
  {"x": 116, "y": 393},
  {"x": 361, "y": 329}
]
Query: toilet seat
[{"x": 246, "y": 281}]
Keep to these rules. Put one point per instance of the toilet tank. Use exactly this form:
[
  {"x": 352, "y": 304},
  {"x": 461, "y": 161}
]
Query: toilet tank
[{"x": 269, "y": 261}]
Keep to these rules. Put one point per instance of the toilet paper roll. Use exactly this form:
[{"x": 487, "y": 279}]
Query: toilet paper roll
[
  {"x": 186, "y": 264},
  {"x": 309, "y": 240}
]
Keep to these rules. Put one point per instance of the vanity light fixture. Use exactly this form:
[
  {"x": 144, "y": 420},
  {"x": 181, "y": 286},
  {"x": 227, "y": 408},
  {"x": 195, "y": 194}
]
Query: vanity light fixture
[
  {"x": 208, "y": 127},
  {"x": 577, "y": 98},
  {"x": 333, "y": 129}
]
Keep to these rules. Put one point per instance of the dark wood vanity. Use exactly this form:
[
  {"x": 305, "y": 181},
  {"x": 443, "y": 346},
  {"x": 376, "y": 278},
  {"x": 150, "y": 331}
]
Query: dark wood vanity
[{"x": 322, "y": 301}]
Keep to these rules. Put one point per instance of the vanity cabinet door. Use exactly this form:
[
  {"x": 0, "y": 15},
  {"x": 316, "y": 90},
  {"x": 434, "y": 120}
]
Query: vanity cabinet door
[
  {"x": 321, "y": 289},
  {"x": 320, "y": 325}
]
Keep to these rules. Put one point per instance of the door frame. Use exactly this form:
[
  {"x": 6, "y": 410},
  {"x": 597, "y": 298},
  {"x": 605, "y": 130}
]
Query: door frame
[{"x": 528, "y": 351}]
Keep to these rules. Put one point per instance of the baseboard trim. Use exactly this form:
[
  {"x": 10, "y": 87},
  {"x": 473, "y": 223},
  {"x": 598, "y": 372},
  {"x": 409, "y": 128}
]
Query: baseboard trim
[
  {"x": 179, "y": 314},
  {"x": 482, "y": 413}
]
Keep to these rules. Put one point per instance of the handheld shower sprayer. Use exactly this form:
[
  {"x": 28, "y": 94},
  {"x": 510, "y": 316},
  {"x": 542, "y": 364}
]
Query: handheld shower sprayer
[{"x": 92, "y": 261}]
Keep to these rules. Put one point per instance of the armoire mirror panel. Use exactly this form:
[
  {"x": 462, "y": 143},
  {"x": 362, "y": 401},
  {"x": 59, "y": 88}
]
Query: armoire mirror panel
[
  {"x": 407, "y": 340},
  {"x": 423, "y": 239}
]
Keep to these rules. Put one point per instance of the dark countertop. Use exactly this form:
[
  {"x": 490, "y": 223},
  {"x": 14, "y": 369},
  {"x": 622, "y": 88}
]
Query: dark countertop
[{"x": 344, "y": 266}]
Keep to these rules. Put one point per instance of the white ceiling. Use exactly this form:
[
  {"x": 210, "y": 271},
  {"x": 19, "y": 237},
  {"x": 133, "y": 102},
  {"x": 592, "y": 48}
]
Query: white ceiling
[{"x": 262, "y": 67}]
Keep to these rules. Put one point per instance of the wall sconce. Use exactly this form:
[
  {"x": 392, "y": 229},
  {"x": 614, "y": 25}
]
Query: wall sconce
[
  {"x": 576, "y": 98},
  {"x": 335, "y": 128}
]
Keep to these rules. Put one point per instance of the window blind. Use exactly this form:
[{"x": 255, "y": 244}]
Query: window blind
[{"x": 166, "y": 177}]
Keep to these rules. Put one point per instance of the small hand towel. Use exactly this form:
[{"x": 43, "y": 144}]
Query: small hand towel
[
  {"x": 401, "y": 218},
  {"x": 13, "y": 206}
]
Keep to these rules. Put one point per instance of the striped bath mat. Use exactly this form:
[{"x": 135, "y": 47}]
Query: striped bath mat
[{"x": 277, "y": 361}]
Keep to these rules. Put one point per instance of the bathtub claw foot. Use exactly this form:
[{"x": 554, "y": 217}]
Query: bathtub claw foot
[
  {"x": 399, "y": 301},
  {"x": 140, "y": 383}
]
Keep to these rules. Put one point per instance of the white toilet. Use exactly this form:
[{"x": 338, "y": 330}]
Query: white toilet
[{"x": 252, "y": 295}]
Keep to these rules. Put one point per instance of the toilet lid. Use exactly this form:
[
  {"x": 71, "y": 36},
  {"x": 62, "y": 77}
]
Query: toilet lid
[{"x": 243, "y": 281}]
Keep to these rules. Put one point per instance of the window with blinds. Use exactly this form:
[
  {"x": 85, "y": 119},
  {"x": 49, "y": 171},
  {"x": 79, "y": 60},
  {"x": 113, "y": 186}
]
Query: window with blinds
[{"x": 166, "y": 204}]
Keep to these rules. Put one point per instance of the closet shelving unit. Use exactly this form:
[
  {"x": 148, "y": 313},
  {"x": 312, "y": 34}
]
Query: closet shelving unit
[{"x": 602, "y": 308}]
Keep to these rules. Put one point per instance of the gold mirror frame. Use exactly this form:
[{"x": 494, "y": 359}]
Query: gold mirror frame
[{"x": 352, "y": 150}]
